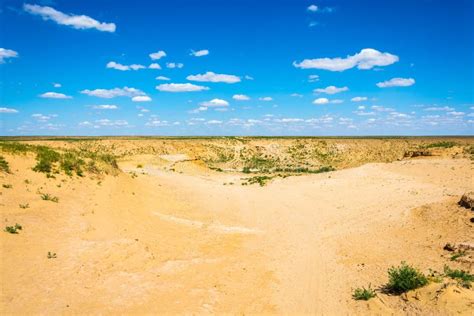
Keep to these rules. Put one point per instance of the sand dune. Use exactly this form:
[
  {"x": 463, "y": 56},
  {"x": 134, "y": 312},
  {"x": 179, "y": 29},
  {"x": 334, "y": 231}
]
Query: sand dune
[{"x": 151, "y": 240}]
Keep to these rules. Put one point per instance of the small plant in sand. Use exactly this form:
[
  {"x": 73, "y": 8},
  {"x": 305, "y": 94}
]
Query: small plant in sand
[
  {"x": 4, "y": 165},
  {"x": 24, "y": 206},
  {"x": 458, "y": 255},
  {"x": 7, "y": 186},
  {"x": 464, "y": 277},
  {"x": 363, "y": 293},
  {"x": 49, "y": 197},
  {"x": 405, "y": 278},
  {"x": 139, "y": 166},
  {"x": 51, "y": 255},
  {"x": 445, "y": 144},
  {"x": 13, "y": 229}
]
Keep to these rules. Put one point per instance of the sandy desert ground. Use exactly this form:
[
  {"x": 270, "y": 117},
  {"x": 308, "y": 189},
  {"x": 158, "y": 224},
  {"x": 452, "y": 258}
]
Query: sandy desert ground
[{"x": 234, "y": 225}]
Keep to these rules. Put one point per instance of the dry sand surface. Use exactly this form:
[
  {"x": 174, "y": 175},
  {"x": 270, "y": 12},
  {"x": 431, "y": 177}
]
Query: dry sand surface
[{"x": 167, "y": 234}]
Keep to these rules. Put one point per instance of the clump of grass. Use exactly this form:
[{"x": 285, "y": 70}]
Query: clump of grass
[
  {"x": 51, "y": 255},
  {"x": 13, "y": 229},
  {"x": 24, "y": 206},
  {"x": 46, "y": 158},
  {"x": 261, "y": 180},
  {"x": 404, "y": 278},
  {"x": 71, "y": 162},
  {"x": 246, "y": 170},
  {"x": 7, "y": 186},
  {"x": 464, "y": 277},
  {"x": 48, "y": 197},
  {"x": 363, "y": 293},
  {"x": 4, "y": 165},
  {"x": 458, "y": 255},
  {"x": 444, "y": 144},
  {"x": 139, "y": 166}
]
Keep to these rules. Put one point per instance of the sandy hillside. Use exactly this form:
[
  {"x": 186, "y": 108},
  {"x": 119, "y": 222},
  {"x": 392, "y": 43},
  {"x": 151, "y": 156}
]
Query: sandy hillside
[{"x": 180, "y": 229}]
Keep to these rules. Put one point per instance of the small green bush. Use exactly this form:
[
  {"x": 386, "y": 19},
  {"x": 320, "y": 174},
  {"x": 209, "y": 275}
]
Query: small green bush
[
  {"x": 24, "y": 206},
  {"x": 363, "y": 293},
  {"x": 405, "y": 278},
  {"x": 46, "y": 158},
  {"x": 13, "y": 229},
  {"x": 444, "y": 144},
  {"x": 51, "y": 255},
  {"x": 246, "y": 170},
  {"x": 48, "y": 197},
  {"x": 464, "y": 277},
  {"x": 71, "y": 162},
  {"x": 4, "y": 165}
]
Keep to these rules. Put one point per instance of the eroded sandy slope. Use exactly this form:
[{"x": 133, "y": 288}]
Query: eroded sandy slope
[{"x": 186, "y": 243}]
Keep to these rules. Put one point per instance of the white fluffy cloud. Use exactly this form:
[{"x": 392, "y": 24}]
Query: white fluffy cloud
[
  {"x": 267, "y": 99},
  {"x": 320, "y": 101},
  {"x": 438, "y": 108},
  {"x": 57, "y": 85},
  {"x": 117, "y": 66},
  {"x": 54, "y": 95},
  {"x": 154, "y": 66},
  {"x": 112, "y": 93},
  {"x": 8, "y": 110},
  {"x": 174, "y": 65},
  {"x": 331, "y": 90},
  {"x": 396, "y": 82},
  {"x": 162, "y": 78},
  {"x": 141, "y": 98},
  {"x": 240, "y": 97},
  {"x": 213, "y": 77},
  {"x": 75, "y": 21},
  {"x": 313, "y": 8},
  {"x": 214, "y": 103},
  {"x": 105, "y": 107},
  {"x": 180, "y": 87},
  {"x": 367, "y": 58},
  {"x": 313, "y": 78},
  {"x": 157, "y": 55},
  {"x": 359, "y": 99},
  {"x": 7, "y": 53},
  {"x": 199, "y": 53}
]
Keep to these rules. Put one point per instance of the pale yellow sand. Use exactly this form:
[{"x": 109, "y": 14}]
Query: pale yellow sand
[{"x": 165, "y": 242}]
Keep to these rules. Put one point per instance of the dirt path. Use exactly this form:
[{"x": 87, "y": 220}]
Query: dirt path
[{"x": 180, "y": 243}]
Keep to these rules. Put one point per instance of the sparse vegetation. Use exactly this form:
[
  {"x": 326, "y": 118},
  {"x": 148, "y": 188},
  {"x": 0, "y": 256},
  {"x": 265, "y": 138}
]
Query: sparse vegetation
[
  {"x": 458, "y": 255},
  {"x": 51, "y": 255},
  {"x": 443, "y": 144},
  {"x": 4, "y": 167},
  {"x": 24, "y": 206},
  {"x": 48, "y": 197},
  {"x": 139, "y": 166},
  {"x": 13, "y": 229},
  {"x": 7, "y": 186},
  {"x": 261, "y": 180},
  {"x": 464, "y": 277},
  {"x": 363, "y": 293},
  {"x": 404, "y": 278}
]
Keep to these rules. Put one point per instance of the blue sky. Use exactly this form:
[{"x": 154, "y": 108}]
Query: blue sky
[{"x": 236, "y": 67}]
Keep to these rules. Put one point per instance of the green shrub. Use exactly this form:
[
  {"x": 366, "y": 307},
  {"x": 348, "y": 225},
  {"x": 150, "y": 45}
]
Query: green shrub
[
  {"x": 4, "y": 165},
  {"x": 48, "y": 197},
  {"x": 464, "y": 277},
  {"x": 405, "y": 278},
  {"x": 46, "y": 158},
  {"x": 24, "y": 206},
  {"x": 363, "y": 293},
  {"x": 71, "y": 162},
  {"x": 51, "y": 255},
  {"x": 444, "y": 144},
  {"x": 246, "y": 170},
  {"x": 13, "y": 229}
]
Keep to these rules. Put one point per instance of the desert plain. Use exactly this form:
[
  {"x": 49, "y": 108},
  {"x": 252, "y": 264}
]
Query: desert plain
[{"x": 235, "y": 225}]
